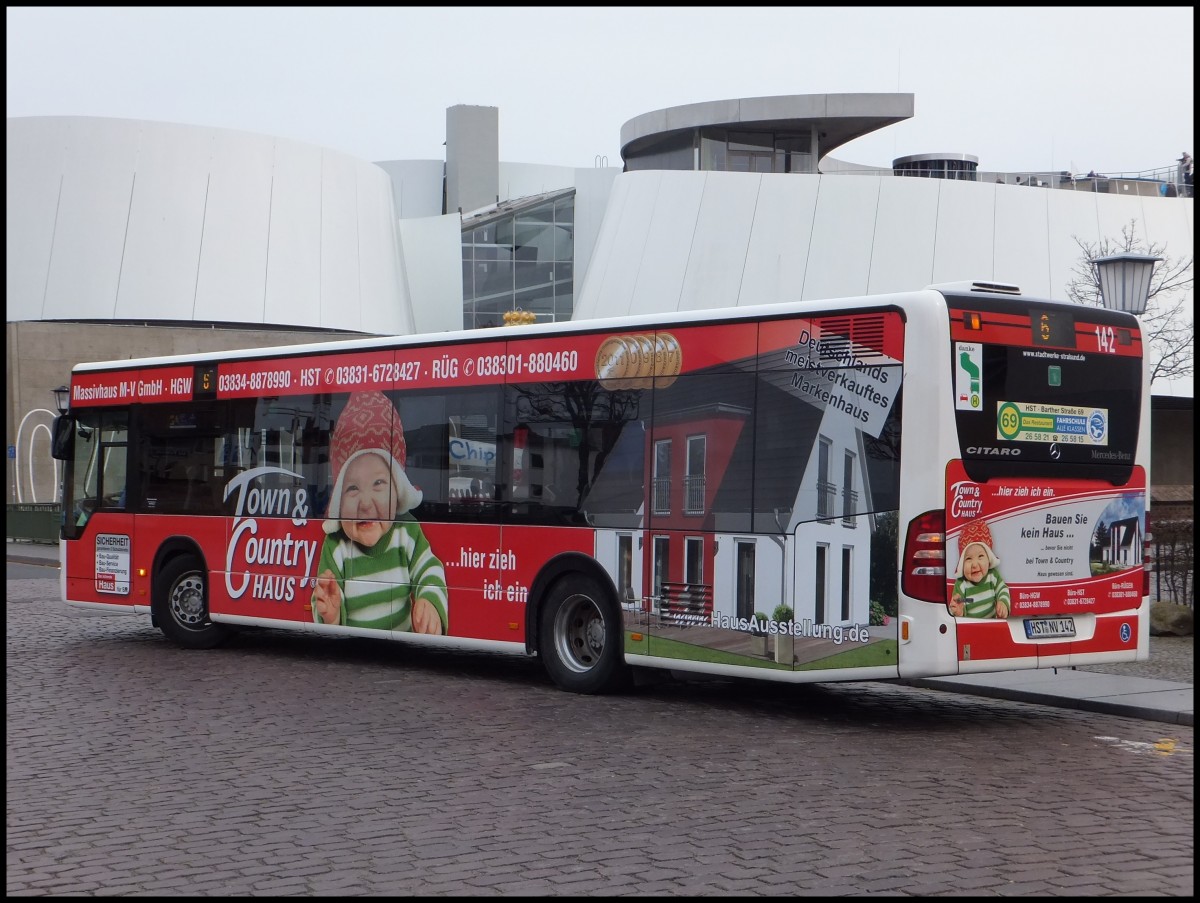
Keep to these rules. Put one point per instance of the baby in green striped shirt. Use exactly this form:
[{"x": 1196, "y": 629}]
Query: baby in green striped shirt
[
  {"x": 378, "y": 572},
  {"x": 979, "y": 591},
  {"x": 377, "y": 569}
]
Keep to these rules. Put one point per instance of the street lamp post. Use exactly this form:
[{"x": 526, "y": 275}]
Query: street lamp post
[
  {"x": 1125, "y": 285},
  {"x": 1125, "y": 281},
  {"x": 61, "y": 428}
]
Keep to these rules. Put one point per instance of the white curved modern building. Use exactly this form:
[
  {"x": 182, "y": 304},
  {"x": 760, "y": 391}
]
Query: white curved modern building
[
  {"x": 132, "y": 238},
  {"x": 121, "y": 220},
  {"x": 728, "y": 207},
  {"x": 695, "y": 240}
]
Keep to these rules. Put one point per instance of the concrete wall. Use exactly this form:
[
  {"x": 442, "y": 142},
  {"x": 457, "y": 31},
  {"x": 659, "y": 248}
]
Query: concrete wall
[
  {"x": 1173, "y": 454},
  {"x": 416, "y": 186},
  {"x": 432, "y": 250},
  {"x": 472, "y": 157}
]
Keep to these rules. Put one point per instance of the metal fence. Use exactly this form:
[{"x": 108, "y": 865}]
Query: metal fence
[
  {"x": 1174, "y": 557},
  {"x": 33, "y": 522},
  {"x": 1163, "y": 181}
]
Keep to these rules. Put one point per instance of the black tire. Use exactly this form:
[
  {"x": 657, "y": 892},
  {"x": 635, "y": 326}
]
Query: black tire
[
  {"x": 580, "y": 637},
  {"x": 181, "y": 605}
]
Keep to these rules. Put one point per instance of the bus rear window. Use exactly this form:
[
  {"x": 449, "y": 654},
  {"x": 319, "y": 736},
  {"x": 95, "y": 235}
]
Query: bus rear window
[{"x": 1046, "y": 411}]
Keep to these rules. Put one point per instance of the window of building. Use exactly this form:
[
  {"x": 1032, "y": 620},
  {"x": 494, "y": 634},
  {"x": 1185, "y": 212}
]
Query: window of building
[
  {"x": 756, "y": 151},
  {"x": 669, "y": 152},
  {"x": 744, "y": 587},
  {"x": 849, "y": 494},
  {"x": 661, "y": 564},
  {"x": 662, "y": 476},
  {"x": 794, "y": 153},
  {"x": 820, "y": 582},
  {"x": 523, "y": 260},
  {"x": 825, "y": 488},
  {"x": 693, "y": 561},
  {"x": 625, "y": 567},
  {"x": 693, "y": 480},
  {"x": 932, "y": 168},
  {"x": 847, "y": 555}
]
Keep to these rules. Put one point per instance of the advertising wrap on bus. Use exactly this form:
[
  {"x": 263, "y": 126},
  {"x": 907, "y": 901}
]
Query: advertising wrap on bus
[
  {"x": 725, "y": 492},
  {"x": 1064, "y": 546}
]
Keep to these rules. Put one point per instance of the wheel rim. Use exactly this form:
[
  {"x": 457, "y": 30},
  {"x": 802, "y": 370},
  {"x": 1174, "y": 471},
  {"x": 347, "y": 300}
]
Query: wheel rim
[
  {"x": 579, "y": 634},
  {"x": 187, "y": 601}
]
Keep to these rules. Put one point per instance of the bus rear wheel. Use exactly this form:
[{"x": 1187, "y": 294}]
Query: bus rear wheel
[
  {"x": 181, "y": 605},
  {"x": 580, "y": 637}
]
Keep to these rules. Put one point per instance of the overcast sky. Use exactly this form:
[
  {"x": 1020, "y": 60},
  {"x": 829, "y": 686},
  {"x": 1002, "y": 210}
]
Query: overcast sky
[{"x": 1021, "y": 88}]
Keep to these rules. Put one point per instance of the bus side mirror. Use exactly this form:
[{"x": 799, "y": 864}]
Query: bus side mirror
[{"x": 62, "y": 439}]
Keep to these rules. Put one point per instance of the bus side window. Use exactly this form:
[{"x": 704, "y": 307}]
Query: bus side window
[
  {"x": 561, "y": 440},
  {"x": 452, "y": 452},
  {"x": 180, "y": 450}
]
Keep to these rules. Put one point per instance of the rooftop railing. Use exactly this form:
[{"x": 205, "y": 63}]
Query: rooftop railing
[{"x": 1164, "y": 181}]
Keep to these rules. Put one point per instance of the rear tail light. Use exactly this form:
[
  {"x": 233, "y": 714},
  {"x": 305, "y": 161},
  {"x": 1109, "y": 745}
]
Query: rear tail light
[{"x": 923, "y": 575}]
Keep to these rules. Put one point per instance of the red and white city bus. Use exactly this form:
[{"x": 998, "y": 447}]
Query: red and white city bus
[{"x": 937, "y": 482}]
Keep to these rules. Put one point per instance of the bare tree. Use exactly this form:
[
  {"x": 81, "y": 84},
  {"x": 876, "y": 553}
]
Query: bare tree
[{"x": 1167, "y": 323}]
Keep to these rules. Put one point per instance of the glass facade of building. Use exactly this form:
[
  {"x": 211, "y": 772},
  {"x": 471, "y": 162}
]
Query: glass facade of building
[
  {"x": 935, "y": 166},
  {"x": 520, "y": 257},
  {"x": 733, "y": 150}
]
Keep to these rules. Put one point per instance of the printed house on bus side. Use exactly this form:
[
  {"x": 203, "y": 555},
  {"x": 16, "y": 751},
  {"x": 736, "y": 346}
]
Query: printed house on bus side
[
  {"x": 1124, "y": 548},
  {"x": 716, "y": 535}
]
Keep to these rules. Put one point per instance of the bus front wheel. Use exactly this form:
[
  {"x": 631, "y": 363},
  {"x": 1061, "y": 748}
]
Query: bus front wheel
[
  {"x": 181, "y": 605},
  {"x": 580, "y": 637}
]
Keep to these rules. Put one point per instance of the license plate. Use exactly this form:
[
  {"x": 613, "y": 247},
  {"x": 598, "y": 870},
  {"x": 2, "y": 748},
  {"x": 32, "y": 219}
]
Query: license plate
[{"x": 1049, "y": 628}]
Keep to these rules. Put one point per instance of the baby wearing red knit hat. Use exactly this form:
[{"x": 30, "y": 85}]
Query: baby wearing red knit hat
[
  {"x": 979, "y": 590},
  {"x": 377, "y": 569}
]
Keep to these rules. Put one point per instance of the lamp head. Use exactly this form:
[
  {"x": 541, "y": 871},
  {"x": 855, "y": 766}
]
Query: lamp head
[
  {"x": 61, "y": 396},
  {"x": 1125, "y": 281}
]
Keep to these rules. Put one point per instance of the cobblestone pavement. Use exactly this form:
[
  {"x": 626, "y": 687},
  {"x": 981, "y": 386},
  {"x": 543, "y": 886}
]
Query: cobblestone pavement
[
  {"x": 287, "y": 765},
  {"x": 1171, "y": 658}
]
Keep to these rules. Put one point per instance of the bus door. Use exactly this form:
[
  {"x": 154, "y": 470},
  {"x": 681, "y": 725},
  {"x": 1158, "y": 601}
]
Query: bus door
[{"x": 100, "y": 568}]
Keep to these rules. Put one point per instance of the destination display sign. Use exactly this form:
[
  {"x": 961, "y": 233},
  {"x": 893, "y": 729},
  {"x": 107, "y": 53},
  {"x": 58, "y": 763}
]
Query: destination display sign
[{"x": 130, "y": 386}]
